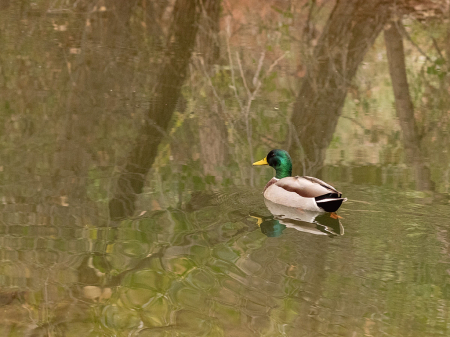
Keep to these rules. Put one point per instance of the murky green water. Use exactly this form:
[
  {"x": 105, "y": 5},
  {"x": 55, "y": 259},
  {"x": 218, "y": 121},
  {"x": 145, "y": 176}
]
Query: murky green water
[
  {"x": 213, "y": 271},
  {"x": 128, "y": 203}
]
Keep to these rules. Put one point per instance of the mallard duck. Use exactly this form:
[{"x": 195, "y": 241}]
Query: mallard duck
[{"x": 307, "y": 193}]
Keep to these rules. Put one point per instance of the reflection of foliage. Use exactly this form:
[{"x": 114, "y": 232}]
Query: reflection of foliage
[
  {"x": 70, "y": 106},
  {"x": 436, "y": 68},
  {"x": 209, "y": 277},
  {"x": 34, "y": 114},
  {"x": 366, "y": 134}
]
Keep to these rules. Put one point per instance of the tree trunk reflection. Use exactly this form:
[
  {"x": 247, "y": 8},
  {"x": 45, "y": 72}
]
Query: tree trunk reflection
[
  {"x": 404, "y": 106},
  {"x": 212, "y": 128},
  {"x": 181, "y": 40},
  {"x": 349, "y": 33}
]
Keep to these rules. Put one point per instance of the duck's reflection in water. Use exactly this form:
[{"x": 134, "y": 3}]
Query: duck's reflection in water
[{"x": 304, "y": 221}]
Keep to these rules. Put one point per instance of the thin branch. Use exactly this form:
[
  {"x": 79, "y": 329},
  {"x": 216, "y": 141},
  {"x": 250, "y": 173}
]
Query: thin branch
[
  {"x": 246, "y": 112},
  {"x": 242, "y": 74},
  {"x": 307, "y": 24},
  {"x": 258, "y": 70},
  {"x": 437, "y": 48},
  {"x": 211, "y": 84},
  {"x": 273, "y": 65},
  {"x": 258, "y": 86},
  {"x": 231, "y": 65},
  {"x": 152, "y": 123},
  {"x": 252, "y": 95},
  {"x": 293, "y": 132},
  {"x": 403, "y": 31},
  {"x": 354, "y": 121},
  {"x": 228, "y": 116}
]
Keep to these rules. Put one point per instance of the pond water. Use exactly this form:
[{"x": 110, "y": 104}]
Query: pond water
[
  {"x": 196, "y": 250},
  {"x": 213, "y": 271}
]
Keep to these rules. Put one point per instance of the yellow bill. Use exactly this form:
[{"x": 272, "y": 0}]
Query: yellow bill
[{"x": 261, "y": 162}]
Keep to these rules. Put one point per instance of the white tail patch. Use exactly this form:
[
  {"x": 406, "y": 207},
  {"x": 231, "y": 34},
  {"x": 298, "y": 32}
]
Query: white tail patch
[{"x": 331, "y": 199}]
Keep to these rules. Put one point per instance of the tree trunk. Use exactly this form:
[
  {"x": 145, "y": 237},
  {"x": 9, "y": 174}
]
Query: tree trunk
[
  {"x": 90, "y": 80},
  {"x": 213, "y": 140},
  {"x": 404, "y": 106},
  {"x": 165, "y": 95},
  {"x": 212, "y": 130},
  {"x": 349, "y": 33}
]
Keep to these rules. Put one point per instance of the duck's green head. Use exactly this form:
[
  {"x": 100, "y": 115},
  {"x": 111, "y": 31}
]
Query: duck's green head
[{"x": 280, "y": 161}]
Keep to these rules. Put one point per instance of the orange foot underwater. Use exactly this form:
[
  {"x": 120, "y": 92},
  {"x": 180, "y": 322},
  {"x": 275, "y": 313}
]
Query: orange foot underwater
[{"x": 335, "y": 216}]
